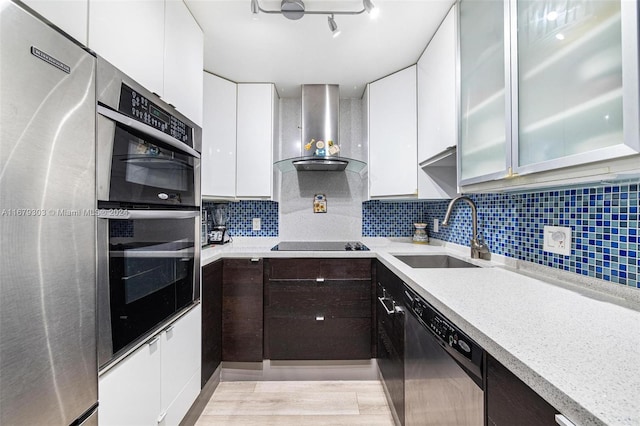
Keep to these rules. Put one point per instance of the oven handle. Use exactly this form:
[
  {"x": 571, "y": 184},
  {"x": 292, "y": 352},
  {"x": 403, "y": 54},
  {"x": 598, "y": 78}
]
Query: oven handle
[
  {"x": 148, "y": 130},
  {"x": 146, "y": 214}
]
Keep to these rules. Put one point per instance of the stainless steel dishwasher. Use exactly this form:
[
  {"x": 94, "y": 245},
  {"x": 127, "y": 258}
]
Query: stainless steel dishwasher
[{"x": 443, "y": 369}]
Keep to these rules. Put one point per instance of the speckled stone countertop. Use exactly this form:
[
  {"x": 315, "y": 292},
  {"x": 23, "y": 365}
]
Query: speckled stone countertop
[{"x": 578, "y": 349}]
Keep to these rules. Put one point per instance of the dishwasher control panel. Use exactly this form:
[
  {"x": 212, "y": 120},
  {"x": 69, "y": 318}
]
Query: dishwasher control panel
[{"x": 443, "y": 329}]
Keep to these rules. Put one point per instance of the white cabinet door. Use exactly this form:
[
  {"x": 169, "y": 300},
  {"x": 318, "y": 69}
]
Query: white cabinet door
[
  {"x": 129, "y": 393},
  {"x": 69, "y": 15},
  {"x": 437, "y": 124},
  {"x": 130, "y": 35},
  {"x": 393, "y": 135},
  {"x": 180, "y": 361},
  {"x": 437, "y": 114},
  {"x": 219, "y": 138},
  {"x": 254, "y": 173},
  {"x": 183, "y": 61},
  {"x": 577, "y": 83}
]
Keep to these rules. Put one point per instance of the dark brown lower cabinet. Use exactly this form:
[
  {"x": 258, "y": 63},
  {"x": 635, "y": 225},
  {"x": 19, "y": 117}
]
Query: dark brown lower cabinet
[
  {"x": 211, "y": 300},
  {"x": 318, "y": 309},
  {"x": 510, "y": 401},
  {"x": 391, "y": 337},
  {"x": 242, "y": 307}
]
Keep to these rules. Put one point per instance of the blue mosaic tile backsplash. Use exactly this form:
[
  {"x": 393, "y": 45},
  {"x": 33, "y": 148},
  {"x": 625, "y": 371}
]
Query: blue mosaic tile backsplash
[
  {"x": 392, "y": 219},
  {"x": 604, "y": 221},
  {"x": 241, "y": 216}
]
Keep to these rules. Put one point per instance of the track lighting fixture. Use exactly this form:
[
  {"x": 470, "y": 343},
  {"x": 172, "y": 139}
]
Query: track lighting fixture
[
  {"x": 294, "y": 9},
  {"x": 333, "y": 26}
]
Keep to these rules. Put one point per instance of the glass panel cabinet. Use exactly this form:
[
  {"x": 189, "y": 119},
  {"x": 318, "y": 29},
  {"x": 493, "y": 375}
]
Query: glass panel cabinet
[
  {"x": 571, "y": 84},
  {"x": 484, "y": 139}
]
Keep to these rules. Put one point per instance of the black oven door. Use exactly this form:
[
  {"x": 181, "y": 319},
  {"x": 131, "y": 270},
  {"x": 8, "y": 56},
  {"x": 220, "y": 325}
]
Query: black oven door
[
  {"x": 146, "y": 165},
  {"x": 148, "y": 274}
]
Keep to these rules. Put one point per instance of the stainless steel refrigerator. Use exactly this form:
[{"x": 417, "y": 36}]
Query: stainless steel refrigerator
[{"x": 48, "y": 369}]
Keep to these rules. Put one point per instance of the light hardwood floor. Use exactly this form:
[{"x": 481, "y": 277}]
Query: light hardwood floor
[{"x": 348, "y": 403}]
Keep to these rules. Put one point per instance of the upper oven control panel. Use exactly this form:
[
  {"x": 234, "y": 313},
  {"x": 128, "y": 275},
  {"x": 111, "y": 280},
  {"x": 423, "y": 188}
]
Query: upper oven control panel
[{"x": 136, "y": 106}]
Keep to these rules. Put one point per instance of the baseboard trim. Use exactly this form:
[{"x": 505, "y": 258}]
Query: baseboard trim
[{"x": 300, "y": 370}]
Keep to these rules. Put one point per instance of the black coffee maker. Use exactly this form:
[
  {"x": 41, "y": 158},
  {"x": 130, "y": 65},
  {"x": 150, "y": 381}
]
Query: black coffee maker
[{"x": 218, "y": 233}]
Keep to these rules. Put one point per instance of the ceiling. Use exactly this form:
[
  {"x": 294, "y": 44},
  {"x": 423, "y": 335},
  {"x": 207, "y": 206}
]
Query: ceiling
[{"x": 289, "y": 53}]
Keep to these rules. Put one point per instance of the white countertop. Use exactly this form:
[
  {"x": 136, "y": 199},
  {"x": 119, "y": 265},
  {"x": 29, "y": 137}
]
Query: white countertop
[{"x": 577, "y": 349}]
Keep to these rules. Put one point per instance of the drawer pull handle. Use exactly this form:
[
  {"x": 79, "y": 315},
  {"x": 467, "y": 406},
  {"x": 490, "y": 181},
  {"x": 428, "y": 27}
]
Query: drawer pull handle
[
  {"x": 170, "y": 328},
  {"x": 319, "y": 280},
  {"x": 153, "y": 341},
  {"x": 319, "y": 317},
  {"x": 161, "y": 417},
  {"x": 255, "y": 260}
]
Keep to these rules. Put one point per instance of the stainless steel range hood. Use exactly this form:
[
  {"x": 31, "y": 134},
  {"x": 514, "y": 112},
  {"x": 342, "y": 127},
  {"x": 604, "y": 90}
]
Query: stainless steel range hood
[{"x": 320, "y": 146}]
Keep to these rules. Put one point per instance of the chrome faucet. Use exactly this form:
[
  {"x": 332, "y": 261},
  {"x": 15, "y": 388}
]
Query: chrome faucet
[{"x": 479, "y": 249}]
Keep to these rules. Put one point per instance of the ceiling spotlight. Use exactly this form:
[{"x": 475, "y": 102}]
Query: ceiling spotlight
[
  {"x": 255, "y": 8},
  {"x": 333, "y": 26},
  {"x": 371, "y": 9}
]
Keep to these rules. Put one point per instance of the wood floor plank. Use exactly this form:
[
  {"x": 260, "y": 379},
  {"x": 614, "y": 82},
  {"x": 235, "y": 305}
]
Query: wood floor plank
[
  {"x": 232, "y": 387},
  {"x": 373, "y": 403},
  {"x": 348, "y": 420},
  {"x": 283, "y": 403},
  {"x": 306, "y": 403}
]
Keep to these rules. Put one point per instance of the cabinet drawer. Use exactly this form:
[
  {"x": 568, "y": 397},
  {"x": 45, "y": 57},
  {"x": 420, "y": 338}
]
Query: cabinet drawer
[
  {"x": 310, "y": 269},
  {"x": 306, "y": 339},
  {"x": 306, "y": 299}
]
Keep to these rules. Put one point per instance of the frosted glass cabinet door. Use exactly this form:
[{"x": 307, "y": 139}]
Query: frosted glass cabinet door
[
  {"x": 484, "y": 140},
  {"x": 571, "y": 82}
]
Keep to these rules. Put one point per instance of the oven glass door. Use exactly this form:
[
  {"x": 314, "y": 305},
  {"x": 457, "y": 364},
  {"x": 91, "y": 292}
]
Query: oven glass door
[
  {"x": 144, "y": 170},
  {"x": 151, "y": 271}
]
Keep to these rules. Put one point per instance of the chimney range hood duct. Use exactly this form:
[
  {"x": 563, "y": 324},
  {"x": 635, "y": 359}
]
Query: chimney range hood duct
[{"x": 320, "y": 146}]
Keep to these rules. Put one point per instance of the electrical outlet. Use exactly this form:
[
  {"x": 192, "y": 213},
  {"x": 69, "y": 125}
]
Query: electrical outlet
[
  {"x": 436, "y": 225},
  {"x": 557, "y": 239},
  {"x": 256, "y": 223}
]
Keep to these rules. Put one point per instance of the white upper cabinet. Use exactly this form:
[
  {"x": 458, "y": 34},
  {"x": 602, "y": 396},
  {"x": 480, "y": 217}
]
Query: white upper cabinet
[
  {"x": 219, "y": 138},
  {"x": 437, "y": 122},
  {"x": 485, "y": 138},
  {"x": 256, "y": 128},
  {"x": 437, "y": 113},
  {"x": 130, "y": 35},
  {"x": 555, "y": 102},
  {"x": 69, "y": 15},
  {"x": 157, "y": 43},
  {"x": 573, "y": 68},
  {"x": 183, "y": 60},
  {"x": 393, "y": 154}
]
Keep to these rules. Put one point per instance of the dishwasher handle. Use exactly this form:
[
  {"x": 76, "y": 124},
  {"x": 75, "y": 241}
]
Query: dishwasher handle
[{"x": 394, "y": 308}]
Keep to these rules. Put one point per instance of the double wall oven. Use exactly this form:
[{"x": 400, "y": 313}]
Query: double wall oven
[{"x": 148, "y": 187}]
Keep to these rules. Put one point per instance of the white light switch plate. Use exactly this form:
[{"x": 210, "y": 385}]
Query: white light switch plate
[
  {"x": 256, "y": 223},
  {"x": 436, "y": 227},
  {"x": 557, "y": 239}
]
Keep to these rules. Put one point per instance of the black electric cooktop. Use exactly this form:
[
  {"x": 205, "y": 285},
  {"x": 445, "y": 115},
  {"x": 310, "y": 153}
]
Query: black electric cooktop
[{"x": 320, "y": 246}]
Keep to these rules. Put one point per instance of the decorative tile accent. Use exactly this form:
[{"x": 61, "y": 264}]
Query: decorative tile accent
[{"x": 241, "y": 216}]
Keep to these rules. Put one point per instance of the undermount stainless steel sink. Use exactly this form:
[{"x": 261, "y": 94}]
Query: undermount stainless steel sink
[{"x": 434, "y": 261}]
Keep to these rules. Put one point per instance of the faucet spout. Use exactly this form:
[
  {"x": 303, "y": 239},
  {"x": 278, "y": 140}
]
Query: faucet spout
[{"x": 479, "y": 249}]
